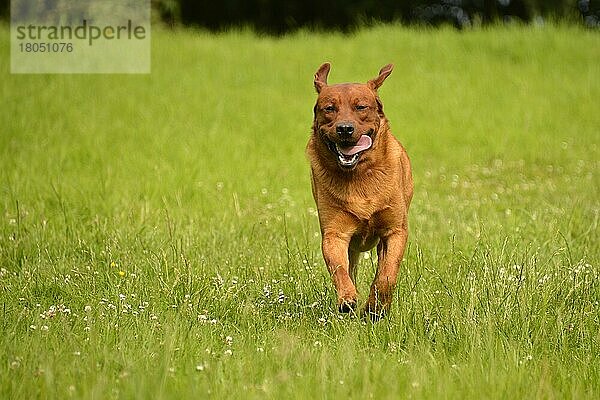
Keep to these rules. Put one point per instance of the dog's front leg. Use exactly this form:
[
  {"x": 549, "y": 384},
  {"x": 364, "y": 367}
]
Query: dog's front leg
[
  {"x": 389, "y": 254},
  {"x": 335, "y": 253}
]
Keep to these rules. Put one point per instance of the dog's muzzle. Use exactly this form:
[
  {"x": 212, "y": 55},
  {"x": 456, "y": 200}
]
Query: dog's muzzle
[
  {"x": 345, "y": 130},
  {"x": 348, "y": 154}
]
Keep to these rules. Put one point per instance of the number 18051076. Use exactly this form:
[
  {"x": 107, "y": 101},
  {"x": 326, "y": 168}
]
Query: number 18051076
[{"x": 57, "y": 47}]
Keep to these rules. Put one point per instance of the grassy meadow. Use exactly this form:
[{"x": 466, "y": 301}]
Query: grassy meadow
[{"x": 158, "y": 238}]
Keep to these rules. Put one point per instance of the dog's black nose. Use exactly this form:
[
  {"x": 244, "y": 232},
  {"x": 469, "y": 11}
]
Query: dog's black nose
[{"x": 344, "y": 130}]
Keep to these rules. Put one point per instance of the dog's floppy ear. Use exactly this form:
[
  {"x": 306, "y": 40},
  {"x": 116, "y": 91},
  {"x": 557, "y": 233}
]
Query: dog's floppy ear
[
  {"x": 375, "y": 83},
  {"x": 321, "y": 77}
]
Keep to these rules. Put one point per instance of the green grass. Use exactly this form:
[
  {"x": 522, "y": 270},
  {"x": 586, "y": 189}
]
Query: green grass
[{"x": 158, "y": 238}]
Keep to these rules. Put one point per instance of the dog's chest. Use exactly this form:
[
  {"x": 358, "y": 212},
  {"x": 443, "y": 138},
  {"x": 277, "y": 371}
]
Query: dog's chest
[
  {"x": 364, "y": 209},
  {"x": 367, "y": 195}
]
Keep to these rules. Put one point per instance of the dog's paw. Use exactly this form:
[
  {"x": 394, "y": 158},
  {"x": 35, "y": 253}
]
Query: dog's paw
[
  {"x": 379, "y": 302},
  {"x": 376, "y": 310},
  {"x": 374, "y": 314},
  {"x": 346, "y": 306}
]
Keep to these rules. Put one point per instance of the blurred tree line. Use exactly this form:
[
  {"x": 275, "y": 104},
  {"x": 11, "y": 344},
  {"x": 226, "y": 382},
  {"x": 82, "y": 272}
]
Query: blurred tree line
[{"x": 281, "y": 16}]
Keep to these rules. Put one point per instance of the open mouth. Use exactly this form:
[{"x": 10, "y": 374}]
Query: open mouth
[{"x": 348, "y": 154}]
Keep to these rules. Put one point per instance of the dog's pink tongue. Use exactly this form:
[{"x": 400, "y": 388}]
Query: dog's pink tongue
[{"x": 363, "y": 144}]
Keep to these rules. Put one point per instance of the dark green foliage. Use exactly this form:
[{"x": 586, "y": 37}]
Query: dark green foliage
[
  {"x": 274, "y": 16},
  {"x": 281, "y": 16},
  {"x": 4, "y": 8}
]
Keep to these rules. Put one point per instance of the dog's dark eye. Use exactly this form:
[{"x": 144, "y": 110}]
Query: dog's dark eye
[
  {"x": 361, "y": 107},
  {"x": 329, "y": 108}
]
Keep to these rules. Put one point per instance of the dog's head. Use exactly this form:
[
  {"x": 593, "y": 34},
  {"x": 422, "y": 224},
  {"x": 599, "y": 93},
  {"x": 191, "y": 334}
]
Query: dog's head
[{"x": 348, "y": 116}]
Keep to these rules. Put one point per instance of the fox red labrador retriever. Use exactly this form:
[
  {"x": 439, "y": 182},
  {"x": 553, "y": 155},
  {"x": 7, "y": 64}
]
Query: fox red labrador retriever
[{"x": 362, "y": 185}]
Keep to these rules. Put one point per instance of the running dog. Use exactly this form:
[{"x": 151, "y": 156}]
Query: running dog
[{"x": 362, "y": 185}]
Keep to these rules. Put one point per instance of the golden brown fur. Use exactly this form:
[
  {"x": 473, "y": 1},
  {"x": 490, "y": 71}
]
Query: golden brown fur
[{"x": 362, "y": 203}]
